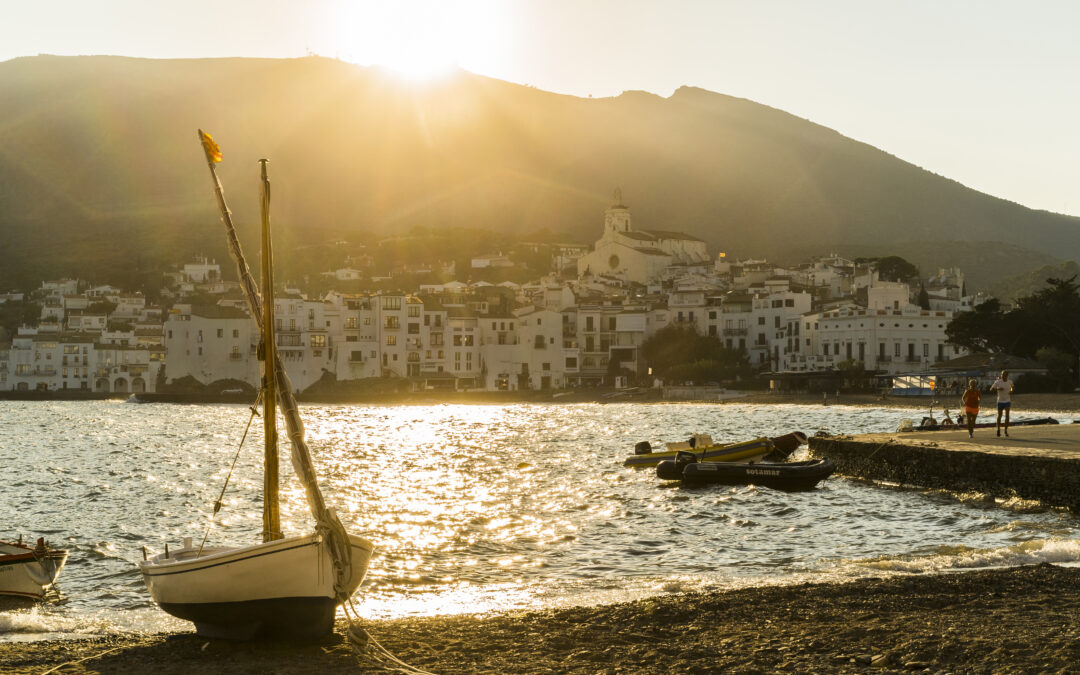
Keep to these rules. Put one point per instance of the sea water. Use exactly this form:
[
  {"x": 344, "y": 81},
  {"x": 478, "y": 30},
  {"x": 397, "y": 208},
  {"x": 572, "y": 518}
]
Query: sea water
[{"x": 475, "y": 508}]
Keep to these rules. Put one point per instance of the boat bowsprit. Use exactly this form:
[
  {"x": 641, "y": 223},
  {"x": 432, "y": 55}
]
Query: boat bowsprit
[
  {"x": 789, "y": 476},
  {"x": 27, "y": 572}
]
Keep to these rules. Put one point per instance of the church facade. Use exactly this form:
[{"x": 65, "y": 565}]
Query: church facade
[{"x": 641, "y": 256}]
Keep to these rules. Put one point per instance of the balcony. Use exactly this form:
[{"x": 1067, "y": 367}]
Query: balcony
[
  {"x": 735, "y": 331},
  {"x": 235, "y": 357}
]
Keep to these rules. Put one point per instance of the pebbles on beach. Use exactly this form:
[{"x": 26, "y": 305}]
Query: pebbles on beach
[{"x": 1022, "y": 619}]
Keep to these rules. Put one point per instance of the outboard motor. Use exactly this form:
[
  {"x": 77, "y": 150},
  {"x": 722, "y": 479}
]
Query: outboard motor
[
  {"x": 682, "y": 458},
  {"x": 669, "y": 470},
  {"x": 672, "y": 469},
  {"x": 642, "y": 448}
]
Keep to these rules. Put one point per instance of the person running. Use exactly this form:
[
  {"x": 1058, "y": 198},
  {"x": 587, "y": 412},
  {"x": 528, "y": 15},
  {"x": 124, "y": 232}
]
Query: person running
[
  {"x": 1003, "y": 387},
  {"x": 971, "y": 405}
]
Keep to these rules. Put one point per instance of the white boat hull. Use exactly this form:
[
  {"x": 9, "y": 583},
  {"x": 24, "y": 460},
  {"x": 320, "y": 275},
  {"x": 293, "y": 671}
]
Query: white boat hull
[
  {"x": 282, "y": 588},
  {"x": 27, "y": 573}
]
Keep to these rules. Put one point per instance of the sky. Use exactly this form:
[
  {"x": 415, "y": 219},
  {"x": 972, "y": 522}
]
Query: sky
[{"x": 981, "y": 91}]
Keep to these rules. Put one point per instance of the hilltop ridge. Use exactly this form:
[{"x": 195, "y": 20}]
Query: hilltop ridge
[{"x": 99, "y": 154}]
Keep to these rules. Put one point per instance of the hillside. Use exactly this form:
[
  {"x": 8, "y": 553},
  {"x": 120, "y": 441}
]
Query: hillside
[
  {"x": 1011, "y": 288},
  {"x": 999, "y": 269},
  {"x": 101, "y": 174}
]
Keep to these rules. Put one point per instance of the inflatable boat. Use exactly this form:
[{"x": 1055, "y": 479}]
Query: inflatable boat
[
  {"x": 703, "y": 447},
  {"x": 789, "y": 476}
]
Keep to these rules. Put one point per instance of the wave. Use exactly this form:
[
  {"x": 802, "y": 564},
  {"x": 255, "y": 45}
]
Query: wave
[{"x": 959, "y": 558}]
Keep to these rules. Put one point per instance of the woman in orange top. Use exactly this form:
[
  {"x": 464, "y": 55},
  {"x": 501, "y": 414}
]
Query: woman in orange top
[{"x": 971, "y": 405}]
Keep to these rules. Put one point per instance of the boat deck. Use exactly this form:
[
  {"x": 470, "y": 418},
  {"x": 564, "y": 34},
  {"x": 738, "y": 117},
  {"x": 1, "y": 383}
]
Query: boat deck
[{"x": 1034, "y": 462}]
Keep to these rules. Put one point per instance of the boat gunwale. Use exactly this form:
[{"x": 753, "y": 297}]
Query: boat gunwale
[{"x": 155, "y": 567}]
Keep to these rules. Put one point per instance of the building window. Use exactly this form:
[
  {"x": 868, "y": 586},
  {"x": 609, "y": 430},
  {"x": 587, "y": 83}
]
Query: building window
[
  {"x": 221, "y": 332},
  {"x": 318, "y": 340},
  {"x": 391, "y": 322},
  {"x": 391, "y": 302},
  {"x": 391, "y": 340}
]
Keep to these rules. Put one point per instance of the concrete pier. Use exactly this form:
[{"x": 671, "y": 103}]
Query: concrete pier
[{"x": 1037, "y": 462}]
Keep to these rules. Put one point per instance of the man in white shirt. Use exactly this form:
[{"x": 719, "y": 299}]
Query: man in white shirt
[{"x": 1003, "y": 387}]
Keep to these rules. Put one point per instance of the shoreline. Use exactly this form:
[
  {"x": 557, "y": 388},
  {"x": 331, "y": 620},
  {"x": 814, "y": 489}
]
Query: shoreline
[
  {"x": 1068, "y": 403},
  {"x": 1018, "y": 619}
]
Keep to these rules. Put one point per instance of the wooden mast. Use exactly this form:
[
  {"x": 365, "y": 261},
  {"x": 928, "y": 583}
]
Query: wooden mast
[
  {"x": 271, "y": 510},
  {"x": 327, "y": 524}
]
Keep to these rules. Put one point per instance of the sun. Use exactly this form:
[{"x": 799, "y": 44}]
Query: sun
[{"x": 419, "y": 39}]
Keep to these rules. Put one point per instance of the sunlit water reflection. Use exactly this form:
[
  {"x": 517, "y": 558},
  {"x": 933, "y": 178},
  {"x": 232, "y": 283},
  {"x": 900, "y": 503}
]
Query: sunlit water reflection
[{"x": 475, "y": 507}]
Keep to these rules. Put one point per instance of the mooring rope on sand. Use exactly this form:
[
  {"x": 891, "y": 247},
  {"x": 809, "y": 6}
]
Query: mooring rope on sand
[
  {"x": 370, "y": 652},
  {"x": 72, "y": 663}
]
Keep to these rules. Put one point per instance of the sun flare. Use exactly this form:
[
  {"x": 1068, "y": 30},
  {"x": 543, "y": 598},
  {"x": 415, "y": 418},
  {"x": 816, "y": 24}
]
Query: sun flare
[{"x": 420, "y": 39}]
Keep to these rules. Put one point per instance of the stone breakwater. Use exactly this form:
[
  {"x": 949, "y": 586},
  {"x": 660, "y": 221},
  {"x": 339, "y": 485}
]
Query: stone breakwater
[{"x": 1036, "y": 463}]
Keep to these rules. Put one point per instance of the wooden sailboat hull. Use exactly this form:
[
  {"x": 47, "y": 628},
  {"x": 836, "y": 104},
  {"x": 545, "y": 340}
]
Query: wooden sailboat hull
[
  {"x": 282, "y": 588},
  {"x": 26, "y": 573}
]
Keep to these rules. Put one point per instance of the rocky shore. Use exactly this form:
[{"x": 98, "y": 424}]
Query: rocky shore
[{"x": 1016, "y": 620}]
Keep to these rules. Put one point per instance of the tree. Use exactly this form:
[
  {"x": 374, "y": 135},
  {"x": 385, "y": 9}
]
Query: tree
[
  {"x": 895, "y": 268},
  {"x": 978, "y": 330},
  {"x": 1052, "y": 317},
  {"x": 14, "y": 313},
  {"x": 924, "y": 298},
  {"x": 1059, "y": 365},
  {"x": 679, "y": 353}
]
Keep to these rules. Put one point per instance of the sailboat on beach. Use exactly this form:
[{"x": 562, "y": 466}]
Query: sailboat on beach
[{"x": 283, "y": 586}]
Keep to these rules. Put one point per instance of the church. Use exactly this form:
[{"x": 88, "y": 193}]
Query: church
[{"x": 641, "y": 256}]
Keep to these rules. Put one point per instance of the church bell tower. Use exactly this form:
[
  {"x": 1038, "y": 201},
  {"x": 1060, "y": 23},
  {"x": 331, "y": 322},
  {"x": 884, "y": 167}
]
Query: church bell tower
[{"x": 616, "y": 217}]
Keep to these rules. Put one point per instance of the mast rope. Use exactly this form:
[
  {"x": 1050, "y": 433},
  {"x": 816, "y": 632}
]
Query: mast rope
[
  {"x": 217, "y": 504},
  {"x": 368, "y": 649}
]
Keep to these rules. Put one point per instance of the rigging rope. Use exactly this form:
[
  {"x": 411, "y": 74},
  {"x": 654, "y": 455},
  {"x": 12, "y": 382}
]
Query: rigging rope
[
  {"x": 217, "y": 504},
  {"x": 368, "y": 649}
]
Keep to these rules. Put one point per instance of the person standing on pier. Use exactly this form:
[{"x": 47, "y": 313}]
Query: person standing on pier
[
  {"x": 971, "y": 405},
  {"x": 1003, "y": 387}
]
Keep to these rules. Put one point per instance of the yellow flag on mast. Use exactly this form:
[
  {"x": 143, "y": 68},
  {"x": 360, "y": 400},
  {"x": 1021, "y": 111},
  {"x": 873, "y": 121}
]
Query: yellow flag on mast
[{"x": 213, "y": 152}]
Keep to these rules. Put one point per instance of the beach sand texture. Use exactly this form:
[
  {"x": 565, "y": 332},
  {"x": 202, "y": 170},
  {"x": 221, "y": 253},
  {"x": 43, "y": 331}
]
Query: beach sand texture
[{"x": 1017, "y": 620}]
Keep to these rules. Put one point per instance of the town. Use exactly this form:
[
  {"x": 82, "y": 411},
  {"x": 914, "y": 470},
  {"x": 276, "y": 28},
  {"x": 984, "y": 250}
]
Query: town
[{"x": 584, "y": 325}]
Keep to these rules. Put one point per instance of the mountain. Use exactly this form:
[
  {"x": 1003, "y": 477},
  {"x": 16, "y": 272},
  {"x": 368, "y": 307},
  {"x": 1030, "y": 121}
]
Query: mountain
[
  {"x": 101, "y": 174},
  {"x": 1029, "y": 283}
]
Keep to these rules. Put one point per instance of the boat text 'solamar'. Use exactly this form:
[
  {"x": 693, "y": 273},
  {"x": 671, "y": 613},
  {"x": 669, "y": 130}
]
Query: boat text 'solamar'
[{"x": 283, "y": 586}]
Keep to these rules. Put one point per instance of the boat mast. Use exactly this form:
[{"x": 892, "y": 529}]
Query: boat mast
[
  {"x": 271, "y": 510},
  {"x": 327, "y": 524}
]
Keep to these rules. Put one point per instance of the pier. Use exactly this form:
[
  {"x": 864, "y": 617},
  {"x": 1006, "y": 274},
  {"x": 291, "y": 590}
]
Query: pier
[{"x": 1037, "y": 462}]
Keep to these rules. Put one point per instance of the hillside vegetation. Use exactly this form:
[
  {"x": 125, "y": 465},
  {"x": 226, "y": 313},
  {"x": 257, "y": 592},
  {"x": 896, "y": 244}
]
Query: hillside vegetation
[{"x": 101, "y": 174}]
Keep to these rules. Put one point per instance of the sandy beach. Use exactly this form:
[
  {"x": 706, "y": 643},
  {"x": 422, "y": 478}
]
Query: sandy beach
[{"x": 1017, "y": 620}]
